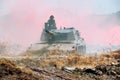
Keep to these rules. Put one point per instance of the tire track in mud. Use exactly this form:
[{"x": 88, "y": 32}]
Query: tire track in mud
[{"x": 52, "y": 75}]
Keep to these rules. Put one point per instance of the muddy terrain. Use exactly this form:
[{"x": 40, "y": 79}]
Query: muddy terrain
[{"x": 69, "y": 67}]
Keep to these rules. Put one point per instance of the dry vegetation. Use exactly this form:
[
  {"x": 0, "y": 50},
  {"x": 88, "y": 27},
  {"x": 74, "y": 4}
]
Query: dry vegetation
[
  {"x": 52, "y": 67},
  {"x": 73, "y": 60},
  {"x": 10, "y": 71}
]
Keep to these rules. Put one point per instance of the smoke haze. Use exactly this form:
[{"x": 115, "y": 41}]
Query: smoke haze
[{"x": 21, "y": 21}]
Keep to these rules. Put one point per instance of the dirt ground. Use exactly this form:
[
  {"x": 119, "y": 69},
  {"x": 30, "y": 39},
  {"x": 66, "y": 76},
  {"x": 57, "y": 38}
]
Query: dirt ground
[{"x": 72, "y": 67}]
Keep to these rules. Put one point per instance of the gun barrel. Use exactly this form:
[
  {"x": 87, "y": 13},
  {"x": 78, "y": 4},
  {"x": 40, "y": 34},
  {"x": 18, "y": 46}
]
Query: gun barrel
[{"x": 50, "y": 32}]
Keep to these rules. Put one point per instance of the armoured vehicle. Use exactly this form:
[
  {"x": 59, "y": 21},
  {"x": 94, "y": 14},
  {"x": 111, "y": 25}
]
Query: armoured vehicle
[{"x": 65, "y": 40}]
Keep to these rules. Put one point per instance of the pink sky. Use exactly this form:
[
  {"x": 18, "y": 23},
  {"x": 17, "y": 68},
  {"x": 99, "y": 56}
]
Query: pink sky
[{"x": 22, "y": 22}]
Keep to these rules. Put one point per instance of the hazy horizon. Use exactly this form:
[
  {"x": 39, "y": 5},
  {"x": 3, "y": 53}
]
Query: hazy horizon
[{"x": 22, "y": 21}]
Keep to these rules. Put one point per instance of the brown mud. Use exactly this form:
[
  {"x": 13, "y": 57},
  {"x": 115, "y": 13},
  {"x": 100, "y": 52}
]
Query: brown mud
[{"x": 73, "y": 67}]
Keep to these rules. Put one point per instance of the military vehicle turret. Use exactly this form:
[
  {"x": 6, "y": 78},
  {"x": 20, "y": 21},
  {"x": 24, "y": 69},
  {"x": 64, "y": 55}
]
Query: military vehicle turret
[{"x": 65, "y": 40}]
